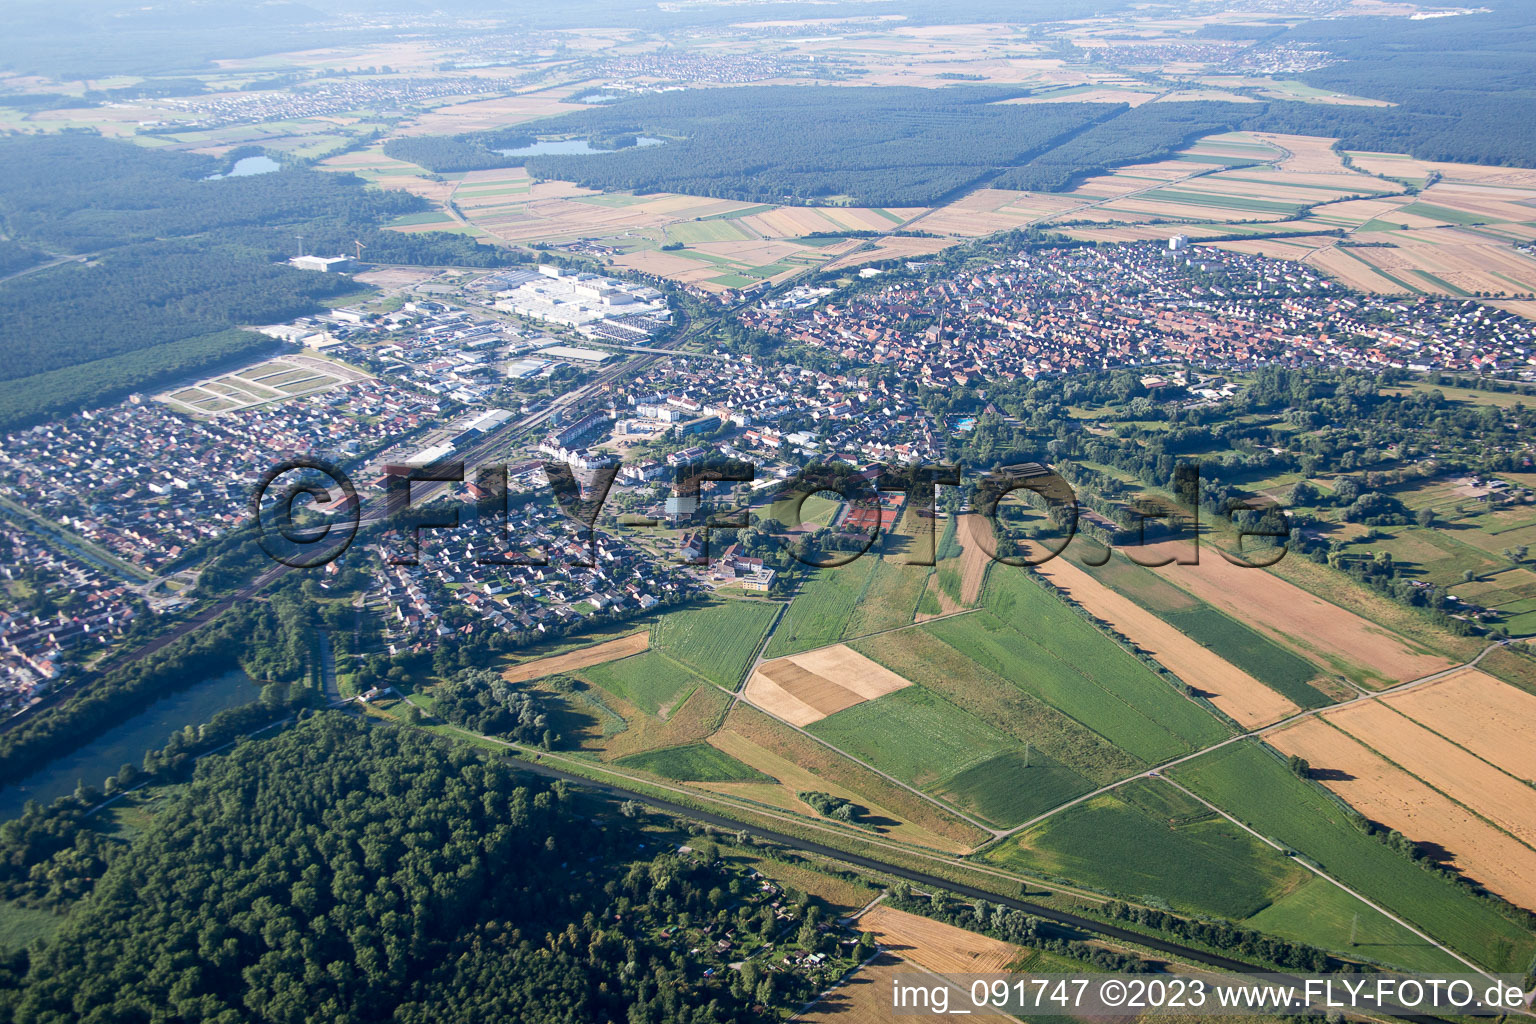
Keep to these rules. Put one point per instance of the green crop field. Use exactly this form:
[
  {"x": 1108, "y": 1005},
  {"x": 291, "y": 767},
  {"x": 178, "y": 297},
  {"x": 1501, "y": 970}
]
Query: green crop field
[
  {"x": 914, "y": 735},
  {"x": 1250, "y": 782},
  {"x": 1009, "y": 789},
  {"x": 696, "y": 762},
  {"x": 717, "y": 640},
  {"x": 1035, "y": 641},
  {"x": 1252, "y": 652},
  {"x": 1323, "y": 915},
  {"x": 890, "y": 597},
  {"x": 917, "y": 655},
  {"x": 817, "y": 615},
  {"x": 1149, "y": 840},
  {"x": 650, "y": 681}
]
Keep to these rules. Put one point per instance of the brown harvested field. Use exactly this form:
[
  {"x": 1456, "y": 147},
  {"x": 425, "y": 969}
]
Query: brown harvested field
[
  {"x": 1389, "y": 795},
  {"x": 1306, "y": 153},
  {"x": 1493, "y": 794},
  {"x": 867, "y": 995},
  {"x": 935, "y": 945},
  {"x": 802, "y": 765},
  {"x": 1345, "y": 266},
  {"x": 585, "y": 657},
  {"x": 1268, "y": 603},
  {"x": 988, "y": 210},
  {"x": 805, "y": 688},
  {"x": 891, "y": 248},
  {"x": 1239, "y": 695},
  {"x": 975, "y": 556}
]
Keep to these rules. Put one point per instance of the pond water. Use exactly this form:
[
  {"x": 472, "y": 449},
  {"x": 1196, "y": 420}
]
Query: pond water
[
  {"x": 572, "y": 147},
  {"x": 247, "y": 166},
  {"x": 127, "y": 742}
]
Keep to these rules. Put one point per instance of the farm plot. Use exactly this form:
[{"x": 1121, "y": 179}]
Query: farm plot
[
  {"x": 1143, "y": 714},
  {"x": 1354, "y": 646},
  {"x": 584, "y": 657},
  {"x": 1242, "y": 697},
  {"x": 805, "y": 688},
  {"x": 914, "y": 735},
  {"x": 651, "y": 681},
  {"x": 1472, "y": 709},
  {"x": 717, "y": 640},
  {"x": 1476, "y": 784},
  {"x": 695, "y": 762},
  {"x": 800, "y": 765},
  {"x": 1250, "y": 782},
  {"x": 866, "y": 996},
  {"x": 935, "y": 945},
  {"x": 820, "y": 611},
  {"x": 1053, "y": 738},
  {"x": 1148, "y": 839},
  {"x": 1323, "y": 915},
  {"x": 1386, "y": 793}
]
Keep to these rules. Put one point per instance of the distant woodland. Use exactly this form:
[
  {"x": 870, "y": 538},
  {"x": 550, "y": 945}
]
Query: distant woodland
[
  {"x": 174, "y": 260},
  {"x": 892, "y": 146}
]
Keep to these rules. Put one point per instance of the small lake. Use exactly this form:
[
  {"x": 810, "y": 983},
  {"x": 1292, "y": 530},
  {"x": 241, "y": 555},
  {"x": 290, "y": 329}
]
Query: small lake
[
  {"x": 248, "y": 166},
  {"x": 574, "y": 147},
  {"x": 127, "y": 742}
]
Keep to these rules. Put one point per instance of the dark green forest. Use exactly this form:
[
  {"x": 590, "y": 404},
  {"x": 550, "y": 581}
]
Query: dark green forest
[
  {"x": 341, "y": 872},
  {"x": 880, "y": 146}
]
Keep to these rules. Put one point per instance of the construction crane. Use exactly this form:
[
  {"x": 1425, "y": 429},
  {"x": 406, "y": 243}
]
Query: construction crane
[
  {"x": 301, "y": 244},
  {"x": 360, "y": 248}
]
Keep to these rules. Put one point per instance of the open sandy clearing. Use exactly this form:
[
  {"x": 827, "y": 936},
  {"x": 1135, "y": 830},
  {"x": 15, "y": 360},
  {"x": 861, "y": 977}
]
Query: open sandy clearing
[
  {"x": 935, "y": 945},
  {"x": 1501, "y": 798},
  {"x": 1271, "y": 605},
  {"x": 1389, "y": 795},
  {"x": 586, "y": 657},
  {"x": 806, "y": 688}
]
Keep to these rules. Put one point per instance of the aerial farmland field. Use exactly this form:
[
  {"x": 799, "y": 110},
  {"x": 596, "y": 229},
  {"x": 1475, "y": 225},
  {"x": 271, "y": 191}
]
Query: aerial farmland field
[
  {"x": 1251, "y": 783},
  {"x": 1147, "y": 839}
]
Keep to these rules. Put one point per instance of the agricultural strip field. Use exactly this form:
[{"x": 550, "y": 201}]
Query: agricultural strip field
[
  {"x": 1148, "y": 840},
  {"x": 695, "y": 762},
  {"x": 800, "y": 765},
  {"x": 805, "y": 688},
  {"x": 650, "y": 681},
  {"x": 821, "y": 609},
  {"x": 1251, "y": 783},
  {"x": 866, "y": 996},
  {"x": 935, "y": 945},
  {"x": 716, "y": 640},
  {"x": 1054, "y": 737},
  {"x": 583, "y": 657},
  {"x": 1385, "y": 792},
  {"x": 1168, "y": 637},
  {"x": 1493, "y": 720},
  {"x": 914, "y": 735},
  {"x": 1353, "y": 646},
  {"x": 1323, "y": 915},
  {"x": 1034, "y": 640}
]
